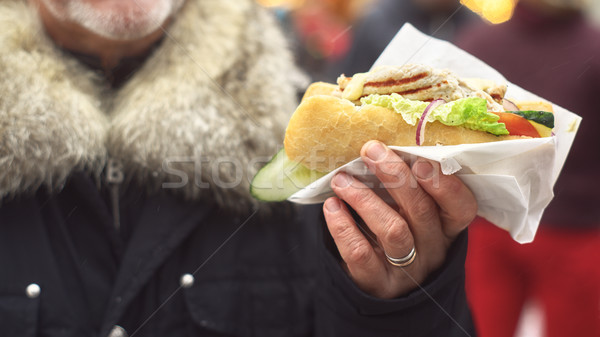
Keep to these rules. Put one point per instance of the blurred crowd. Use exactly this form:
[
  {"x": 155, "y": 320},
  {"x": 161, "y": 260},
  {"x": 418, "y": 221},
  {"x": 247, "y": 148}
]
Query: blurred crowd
[{"x": 549, "y": 47}]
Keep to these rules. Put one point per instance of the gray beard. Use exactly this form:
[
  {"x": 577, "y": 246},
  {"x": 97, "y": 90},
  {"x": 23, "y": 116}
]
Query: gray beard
[{"x": 134, "y": 22}]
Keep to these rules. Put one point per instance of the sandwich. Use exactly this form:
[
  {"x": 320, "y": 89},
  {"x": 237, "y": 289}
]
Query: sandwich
[{"x": 410, "y": 105}]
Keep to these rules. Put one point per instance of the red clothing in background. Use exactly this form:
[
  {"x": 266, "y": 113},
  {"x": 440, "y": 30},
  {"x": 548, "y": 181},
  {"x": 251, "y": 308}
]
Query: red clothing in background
[{"x": 560, "y": 270}]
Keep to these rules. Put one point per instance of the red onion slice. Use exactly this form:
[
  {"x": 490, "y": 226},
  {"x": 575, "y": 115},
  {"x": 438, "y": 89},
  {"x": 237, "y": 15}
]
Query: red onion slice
[
  {"x": 509, "y": 106},
  {"x": 423, "y": 120}
]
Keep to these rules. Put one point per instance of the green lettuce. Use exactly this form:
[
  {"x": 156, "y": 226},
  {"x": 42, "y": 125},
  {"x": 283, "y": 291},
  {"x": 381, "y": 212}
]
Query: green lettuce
[{"x": 470, "y": 112}]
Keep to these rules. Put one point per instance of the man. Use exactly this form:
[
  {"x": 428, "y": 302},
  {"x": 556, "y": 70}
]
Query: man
[{"x": 129, "y": 131}]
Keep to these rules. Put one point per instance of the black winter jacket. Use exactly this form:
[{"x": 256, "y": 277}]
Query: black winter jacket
[{"x": 188, "y": 269}]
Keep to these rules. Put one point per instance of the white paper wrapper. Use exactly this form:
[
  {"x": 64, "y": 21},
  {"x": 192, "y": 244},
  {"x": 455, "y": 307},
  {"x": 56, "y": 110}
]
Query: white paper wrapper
[{"x": 512, "y": 180}]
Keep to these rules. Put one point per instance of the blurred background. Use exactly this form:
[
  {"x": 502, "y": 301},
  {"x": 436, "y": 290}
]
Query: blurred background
[
  {"x": 322, "y": 32},
  {"x": 595, "y": 11},
  {"x": 551, "y": 287}
]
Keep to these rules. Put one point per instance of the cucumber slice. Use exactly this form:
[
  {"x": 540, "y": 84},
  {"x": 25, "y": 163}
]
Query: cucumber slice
[
  {"x": 542, "y": 117},
  {"x": 280, "y": 178}
]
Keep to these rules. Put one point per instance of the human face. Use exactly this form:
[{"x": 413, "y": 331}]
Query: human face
[{"x": 120, "y": 20}]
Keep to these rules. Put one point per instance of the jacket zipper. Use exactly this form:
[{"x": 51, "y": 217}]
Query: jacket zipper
[{"x": 114, "y": 178}]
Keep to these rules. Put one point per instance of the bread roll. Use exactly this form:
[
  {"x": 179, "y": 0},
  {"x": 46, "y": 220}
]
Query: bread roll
[
  {"x": 535, "y": 105},
  {"x": 322, "y": 88},
  {"x": 326, "y": 132}
]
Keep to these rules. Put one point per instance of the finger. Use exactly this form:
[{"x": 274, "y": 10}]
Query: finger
[
  {"x": 456, "y": 202},
  {"x": 397, "y": 177},
  {"x": 392, "y": 231},
  {"x": 355, "y": 249}
]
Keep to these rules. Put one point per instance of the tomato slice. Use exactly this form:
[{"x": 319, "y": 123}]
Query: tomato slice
[{"x": 517, "y": 125}]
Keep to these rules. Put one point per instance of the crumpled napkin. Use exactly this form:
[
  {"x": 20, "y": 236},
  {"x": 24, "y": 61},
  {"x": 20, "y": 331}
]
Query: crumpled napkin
[{"x": 511, "y": 180}]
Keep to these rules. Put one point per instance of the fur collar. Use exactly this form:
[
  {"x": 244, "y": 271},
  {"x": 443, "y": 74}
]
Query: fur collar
[{"x": 197, "y": 119}]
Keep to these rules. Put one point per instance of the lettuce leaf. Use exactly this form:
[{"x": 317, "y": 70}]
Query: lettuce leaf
[{"x": 470, "y": 112}]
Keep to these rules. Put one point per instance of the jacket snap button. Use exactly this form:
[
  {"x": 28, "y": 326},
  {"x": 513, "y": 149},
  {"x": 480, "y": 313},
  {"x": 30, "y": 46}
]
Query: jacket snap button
[
  {"x": 117, "y": 331},
  {"x": 33, "y": 290},
  {"x": 187, "y": 280}
]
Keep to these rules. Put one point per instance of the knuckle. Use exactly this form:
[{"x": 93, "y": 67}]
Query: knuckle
[
  {"x": 361, "y": 197},
  {"x": 359, "y": 254},
  {"x": 467, "y": 209},
  {"x": 453, "y": 186},
  {"x": 394, "y": 170},
  {"x": 342, "y": 230},
  {"x": 469, "y": 213},
  {"x": 398, "y": 233},
  {"x": 422, "y": 207}
]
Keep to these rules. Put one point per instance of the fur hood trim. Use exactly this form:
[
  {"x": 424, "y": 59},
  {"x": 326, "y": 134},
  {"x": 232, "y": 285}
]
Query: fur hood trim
[{"x": 197, "y": 119}]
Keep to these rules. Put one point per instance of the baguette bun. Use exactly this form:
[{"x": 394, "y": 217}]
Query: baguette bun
[
  {"x": 322, "y": 88},
  {"x": 535, "y": 105},
  {"x": 326, "y": 132}
]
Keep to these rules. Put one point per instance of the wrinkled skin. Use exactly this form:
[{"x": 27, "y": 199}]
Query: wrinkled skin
[{"x": 428, "y": 211}]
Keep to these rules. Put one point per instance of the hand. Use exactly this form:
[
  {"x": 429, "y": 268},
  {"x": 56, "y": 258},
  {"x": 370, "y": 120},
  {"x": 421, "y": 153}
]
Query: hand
[{"x": 428, "y": 211}]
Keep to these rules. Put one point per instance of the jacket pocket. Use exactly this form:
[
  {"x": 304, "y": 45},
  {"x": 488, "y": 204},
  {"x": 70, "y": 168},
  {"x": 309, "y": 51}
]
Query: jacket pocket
[
  {"x": 18, "y": 316},
  {"x": 263, "y": 307}
]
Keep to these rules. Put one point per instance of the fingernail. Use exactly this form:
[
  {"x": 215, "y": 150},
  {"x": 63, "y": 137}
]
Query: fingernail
[
  {"x": 342, "y": 180},
  {"x": 375, "y": 151},
  {"x": 332, "y": 205},
  {"x": 423, "y": 169}
]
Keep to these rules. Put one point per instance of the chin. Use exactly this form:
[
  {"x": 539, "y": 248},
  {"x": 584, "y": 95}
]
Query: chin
[{"x": 116, "y": 19}]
